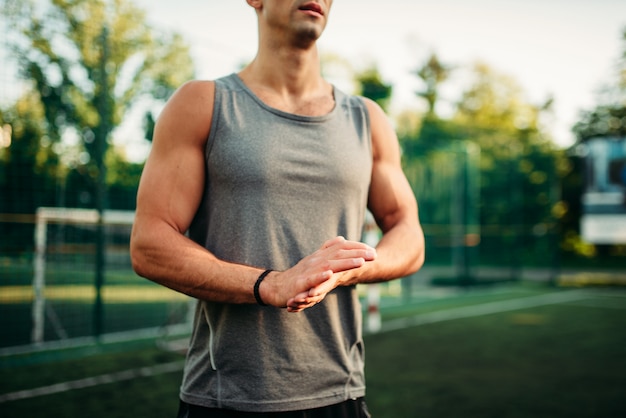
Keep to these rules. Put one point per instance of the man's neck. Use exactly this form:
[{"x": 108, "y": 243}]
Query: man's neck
[
  {"x": 289, "y": 79},
  {"x": 289, "y": 70}
]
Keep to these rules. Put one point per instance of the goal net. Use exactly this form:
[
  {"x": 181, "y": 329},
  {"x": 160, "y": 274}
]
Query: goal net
[{"x": 64, "y": 276}]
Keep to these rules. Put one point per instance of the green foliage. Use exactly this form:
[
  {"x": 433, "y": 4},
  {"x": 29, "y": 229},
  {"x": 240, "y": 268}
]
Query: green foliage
[
  {"x": 372, "y": 86},
  {"x": 518, "y": 166},
  {"x": 87, "y": 63},
  {"x": 91, "y": 60},
  {"x": 603, "y": 121},
  {"x": 122, "y": 180},
  {"x": 29, "y": 169},
  {"x": 608, "y": 118},
  {"x": 495, "y": 102},
  {"x": 433, "y": 73},
  {"x": 433, "y": 134}
]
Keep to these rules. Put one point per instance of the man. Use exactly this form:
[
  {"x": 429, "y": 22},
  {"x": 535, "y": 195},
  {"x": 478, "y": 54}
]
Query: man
[{"x": 252, "y": 201}]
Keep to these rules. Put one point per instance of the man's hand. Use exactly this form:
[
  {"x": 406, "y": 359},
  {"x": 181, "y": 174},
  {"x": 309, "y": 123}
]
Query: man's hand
[{"x": 308, "y": 282}]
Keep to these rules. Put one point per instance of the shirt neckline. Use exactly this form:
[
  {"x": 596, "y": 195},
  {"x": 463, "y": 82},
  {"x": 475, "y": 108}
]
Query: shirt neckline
[{"x": 282, "y": 113}]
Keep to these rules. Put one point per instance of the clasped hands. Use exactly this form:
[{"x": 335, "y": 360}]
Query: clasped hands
[{"x": 312, "y": 278}]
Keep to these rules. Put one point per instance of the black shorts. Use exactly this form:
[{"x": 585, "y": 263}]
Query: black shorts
[{"x": 353, "y": 408}]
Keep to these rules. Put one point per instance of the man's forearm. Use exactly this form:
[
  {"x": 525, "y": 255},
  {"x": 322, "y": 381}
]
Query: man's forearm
[
  {"x": 173, "y": 260},
  {"x": 169, "y": 258},
  {"x": 400, "y": 252}
]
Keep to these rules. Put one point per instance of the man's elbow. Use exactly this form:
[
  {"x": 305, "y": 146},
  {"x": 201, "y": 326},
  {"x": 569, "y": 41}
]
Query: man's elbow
[
  {"x": 419, "y": 256},
  {"x": 418, "y": 261},
  {"x": 138, "y": 258}
]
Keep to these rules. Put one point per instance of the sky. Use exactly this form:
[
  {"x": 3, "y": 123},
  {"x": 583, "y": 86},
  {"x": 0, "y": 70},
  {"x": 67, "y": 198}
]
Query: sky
[{"x": 565, "y": 49}]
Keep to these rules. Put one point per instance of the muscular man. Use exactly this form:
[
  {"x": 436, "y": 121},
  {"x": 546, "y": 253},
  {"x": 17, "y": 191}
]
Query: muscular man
[{"x": 252, "y": 201}]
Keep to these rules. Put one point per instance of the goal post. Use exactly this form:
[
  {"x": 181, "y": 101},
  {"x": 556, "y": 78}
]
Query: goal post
[{"x": 60, "y": 215}]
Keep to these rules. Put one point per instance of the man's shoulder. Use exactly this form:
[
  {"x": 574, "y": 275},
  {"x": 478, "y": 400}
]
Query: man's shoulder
[
  {"x": 193, "y": 96},
  {"x": 201, "y": 88},
  {"x": 192, "y": 106},
  {"x": 196, "y": 88}
]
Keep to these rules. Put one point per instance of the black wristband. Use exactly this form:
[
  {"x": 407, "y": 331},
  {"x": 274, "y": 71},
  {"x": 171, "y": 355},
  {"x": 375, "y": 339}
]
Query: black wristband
[{"x": 257, "y": 294}]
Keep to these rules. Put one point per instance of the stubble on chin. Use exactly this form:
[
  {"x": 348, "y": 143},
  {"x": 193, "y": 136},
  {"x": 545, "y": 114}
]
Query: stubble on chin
[{"x": 306, "y": 36}]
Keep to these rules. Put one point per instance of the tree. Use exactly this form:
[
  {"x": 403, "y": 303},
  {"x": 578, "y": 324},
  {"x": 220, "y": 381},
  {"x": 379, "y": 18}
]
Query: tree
[
  {"x": 433, "y": 132},
  {"x": 520, "y": 165},
  {"x": 371, "y": 85},
  {"x": 91, "y": 61},
  {"x": 433, "y": 73},
  {"x": 608, "y": 118},
  {"x": 29, "y": 169}
]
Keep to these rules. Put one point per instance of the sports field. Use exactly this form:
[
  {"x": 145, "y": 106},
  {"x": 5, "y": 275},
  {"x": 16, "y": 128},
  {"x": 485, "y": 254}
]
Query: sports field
[{"x": 512, "y": 350}]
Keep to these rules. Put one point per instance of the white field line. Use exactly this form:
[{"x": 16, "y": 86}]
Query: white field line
[
  {"x": 116, "y": 337},
  {"x": 484, "y": 309},
  {"x": 93, "y": 381}
]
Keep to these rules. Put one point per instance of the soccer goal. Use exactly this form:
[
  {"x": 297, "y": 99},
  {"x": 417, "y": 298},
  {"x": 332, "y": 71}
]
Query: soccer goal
[
  {"x": 70, "y": 233},
  {"x": 63, "y": 286}
]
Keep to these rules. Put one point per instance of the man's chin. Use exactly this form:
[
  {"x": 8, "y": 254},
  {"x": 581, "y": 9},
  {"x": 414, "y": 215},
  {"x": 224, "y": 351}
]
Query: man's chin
[{"x": 307, "y": 36}]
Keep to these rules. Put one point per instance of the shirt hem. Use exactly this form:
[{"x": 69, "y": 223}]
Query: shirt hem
[{"x": 272, "y": 406}]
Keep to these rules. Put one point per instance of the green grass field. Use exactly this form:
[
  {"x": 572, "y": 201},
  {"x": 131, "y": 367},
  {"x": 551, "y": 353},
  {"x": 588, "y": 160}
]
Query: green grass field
[{"x": 514, "y": 350}]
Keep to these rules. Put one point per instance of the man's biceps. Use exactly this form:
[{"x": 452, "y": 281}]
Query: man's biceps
[
  {"x": 182, "y": 211},
  {"x": 392, "y": 209},
  {"x": 166, "y": 207}
]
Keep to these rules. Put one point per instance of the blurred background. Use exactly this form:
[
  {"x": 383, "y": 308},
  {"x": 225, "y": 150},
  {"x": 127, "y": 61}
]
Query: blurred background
[{"x": 512, "y": 121}]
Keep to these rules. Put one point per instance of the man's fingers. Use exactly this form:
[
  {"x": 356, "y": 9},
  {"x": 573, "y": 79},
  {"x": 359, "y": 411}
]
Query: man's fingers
[
  {"x": 334, "y": 241},
  {"x": 346, "y": 264},
  {"x": 317, "y": 279},
  {"x": 341, "y": 244},
  {"x": 302, "y": 302},
  {"x": 316, "y": 271},
  {"x": 299, "y": 307},
  {"x": 367, "y": 254}
]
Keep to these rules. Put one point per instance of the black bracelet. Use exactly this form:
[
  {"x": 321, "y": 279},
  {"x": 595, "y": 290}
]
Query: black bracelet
[{"x": 257, "y": 294}]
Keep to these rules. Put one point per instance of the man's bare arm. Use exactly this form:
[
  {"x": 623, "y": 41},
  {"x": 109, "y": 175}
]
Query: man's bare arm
[
  {"x": 170, "y": 192},
  {"x": 401, "y": 249}
]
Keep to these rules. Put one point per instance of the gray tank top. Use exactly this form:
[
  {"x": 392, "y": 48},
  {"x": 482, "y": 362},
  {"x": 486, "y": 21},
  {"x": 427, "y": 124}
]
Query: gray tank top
[{"x": 277, "y": 186}]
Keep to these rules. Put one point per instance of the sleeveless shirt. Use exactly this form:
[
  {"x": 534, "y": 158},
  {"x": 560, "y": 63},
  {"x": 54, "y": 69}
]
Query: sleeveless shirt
[{"x": 277, "y": 186}]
